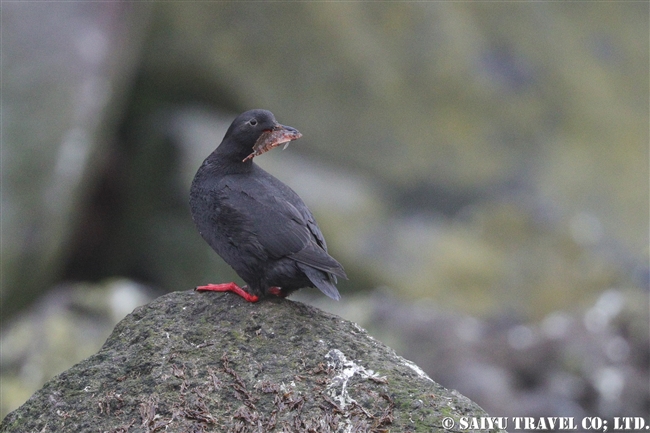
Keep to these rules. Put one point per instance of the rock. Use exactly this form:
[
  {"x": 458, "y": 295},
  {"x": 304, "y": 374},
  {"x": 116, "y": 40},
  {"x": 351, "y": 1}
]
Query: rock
[
  {"x": 212, "y": 362},
  {"x": 69, "y": 323}
]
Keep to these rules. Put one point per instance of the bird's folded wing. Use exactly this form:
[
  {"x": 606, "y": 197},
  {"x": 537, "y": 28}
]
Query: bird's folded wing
[
  {"x": 273, "y": 222},
  {"x": 319, "y": 259}
]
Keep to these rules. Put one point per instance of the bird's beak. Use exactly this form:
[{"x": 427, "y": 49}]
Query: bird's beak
[{"x": 271, "y": 138}]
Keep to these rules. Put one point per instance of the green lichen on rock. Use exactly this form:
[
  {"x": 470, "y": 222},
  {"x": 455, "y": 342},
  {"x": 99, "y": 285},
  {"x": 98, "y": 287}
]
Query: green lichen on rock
[{"x": 193, "y": 362}]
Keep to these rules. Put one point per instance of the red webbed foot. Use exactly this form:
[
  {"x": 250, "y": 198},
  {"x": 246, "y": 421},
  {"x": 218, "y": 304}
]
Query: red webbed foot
[{"x": 228, "y": 287}]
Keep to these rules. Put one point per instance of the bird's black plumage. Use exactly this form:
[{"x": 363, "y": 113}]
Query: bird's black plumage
[{"x": 257, "y": 224}]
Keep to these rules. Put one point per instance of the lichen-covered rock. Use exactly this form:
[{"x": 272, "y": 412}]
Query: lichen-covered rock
[
  {"x": 70, "y": 323},
  {"x": 191, "y": 362}
]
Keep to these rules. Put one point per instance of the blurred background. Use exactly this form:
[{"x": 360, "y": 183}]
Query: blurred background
[{"x": 480, "y": 169}]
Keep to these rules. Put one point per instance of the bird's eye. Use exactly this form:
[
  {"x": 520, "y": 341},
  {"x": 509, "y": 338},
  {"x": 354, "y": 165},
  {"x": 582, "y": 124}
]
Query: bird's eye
[{"x": 253, "y": 122}]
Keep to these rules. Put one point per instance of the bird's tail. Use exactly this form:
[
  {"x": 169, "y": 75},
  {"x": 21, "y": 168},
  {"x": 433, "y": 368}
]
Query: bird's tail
[{"x": 324, "y": 281}]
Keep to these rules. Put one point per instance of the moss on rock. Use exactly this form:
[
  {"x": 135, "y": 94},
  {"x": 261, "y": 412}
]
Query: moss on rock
[{"x": 193, "y": 362}]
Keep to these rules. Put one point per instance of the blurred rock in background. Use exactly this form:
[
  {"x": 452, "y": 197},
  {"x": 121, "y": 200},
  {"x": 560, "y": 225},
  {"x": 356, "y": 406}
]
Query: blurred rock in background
[
  {"x": 488, "y": 159},
  {"x": 66, "y": 73}
]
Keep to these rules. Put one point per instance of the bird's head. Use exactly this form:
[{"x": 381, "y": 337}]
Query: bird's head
[{"x": 255, "y": 132}]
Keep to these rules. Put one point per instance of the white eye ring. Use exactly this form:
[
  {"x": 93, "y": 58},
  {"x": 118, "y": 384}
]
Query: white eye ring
[{"x": 253, "y": 122}]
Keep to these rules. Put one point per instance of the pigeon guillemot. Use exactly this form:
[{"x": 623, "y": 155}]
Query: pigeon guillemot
[{"x": 257, "y": 224}]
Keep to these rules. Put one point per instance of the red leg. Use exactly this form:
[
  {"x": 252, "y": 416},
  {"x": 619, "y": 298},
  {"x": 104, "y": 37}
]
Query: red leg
[
  {"x": 277, "y": 292},
  {"x": 228, "y": 287}
]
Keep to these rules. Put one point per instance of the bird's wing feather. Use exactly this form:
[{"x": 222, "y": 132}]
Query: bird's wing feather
[
  {"x": 318, "y": 259},
  {"x": 282, "y": 228}
]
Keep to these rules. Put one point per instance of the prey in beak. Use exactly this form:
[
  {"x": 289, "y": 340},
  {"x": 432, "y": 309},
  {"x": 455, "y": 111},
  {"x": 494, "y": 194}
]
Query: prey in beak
[{"x": 271, "y": 138}]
